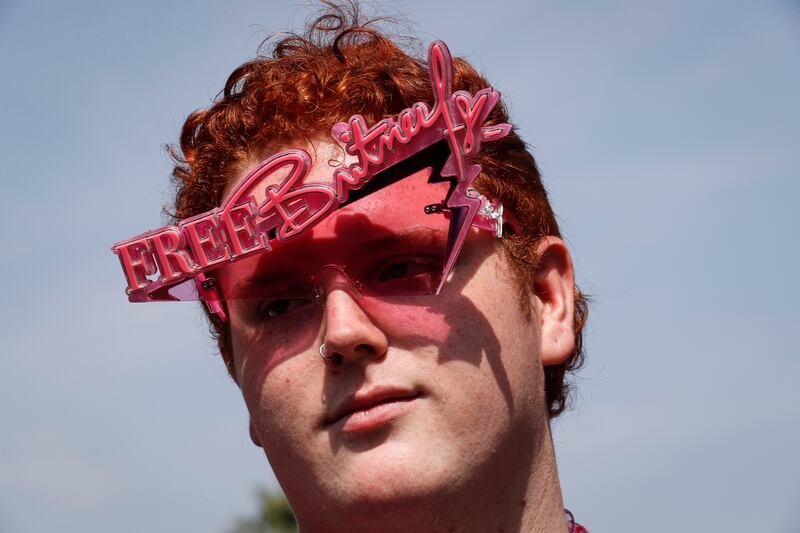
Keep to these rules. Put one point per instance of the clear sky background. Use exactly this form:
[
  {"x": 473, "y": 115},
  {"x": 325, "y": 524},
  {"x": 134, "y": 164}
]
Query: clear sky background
[{"x": 668, "y": 134}]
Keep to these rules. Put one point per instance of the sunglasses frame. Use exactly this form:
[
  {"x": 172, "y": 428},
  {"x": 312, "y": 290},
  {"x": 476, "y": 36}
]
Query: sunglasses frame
[{"x": 173, "y": 262}]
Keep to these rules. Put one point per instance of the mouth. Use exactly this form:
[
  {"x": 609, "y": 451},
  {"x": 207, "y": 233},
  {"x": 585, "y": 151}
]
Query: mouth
[{"x": 364, "y": 412}]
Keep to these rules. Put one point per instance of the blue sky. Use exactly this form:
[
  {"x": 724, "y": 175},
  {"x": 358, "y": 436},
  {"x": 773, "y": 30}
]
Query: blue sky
[{"x": 667, "y": 133}]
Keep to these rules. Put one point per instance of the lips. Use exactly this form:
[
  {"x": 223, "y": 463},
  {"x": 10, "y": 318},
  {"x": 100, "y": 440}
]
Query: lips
[{"x": 369, "y": 400}]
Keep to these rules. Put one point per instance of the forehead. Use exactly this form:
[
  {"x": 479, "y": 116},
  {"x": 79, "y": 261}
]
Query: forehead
[{"x": 325, "y": 155}]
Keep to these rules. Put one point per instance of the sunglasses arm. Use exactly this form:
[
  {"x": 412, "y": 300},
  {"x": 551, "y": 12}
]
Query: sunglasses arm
[{"x": 209, "y": 294}]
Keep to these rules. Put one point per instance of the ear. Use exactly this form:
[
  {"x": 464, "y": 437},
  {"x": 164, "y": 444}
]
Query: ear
[
  {"x": 254, "y": 435},
  {"x": 554, "y": 300}
]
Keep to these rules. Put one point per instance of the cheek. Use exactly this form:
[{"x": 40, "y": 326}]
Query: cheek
[
  {"x": 280, "y": 384},
  {"x": 423, "y": 318},
  {"x": 285, "y": 408},
  {"x": 425, "y": 322},
  {"x": 258, "y": 351}
]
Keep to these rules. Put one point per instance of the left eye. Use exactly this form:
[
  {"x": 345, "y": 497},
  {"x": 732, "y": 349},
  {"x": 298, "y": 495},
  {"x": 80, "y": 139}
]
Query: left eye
[
  {"x": 408, "y": 275},
  {"x": 404, "y": 269}
]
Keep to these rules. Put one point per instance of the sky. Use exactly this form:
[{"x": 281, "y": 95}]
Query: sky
[{"x": 667, "y": 133}]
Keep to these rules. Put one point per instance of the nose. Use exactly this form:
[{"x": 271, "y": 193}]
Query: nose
[{"x": 350, "y": 333}]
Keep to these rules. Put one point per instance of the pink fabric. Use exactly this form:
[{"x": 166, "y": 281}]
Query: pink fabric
[{"x": 572, "y": 526}]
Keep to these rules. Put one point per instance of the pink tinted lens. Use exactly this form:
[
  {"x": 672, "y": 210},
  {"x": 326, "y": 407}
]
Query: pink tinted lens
[{"x": 385, "y": 244}]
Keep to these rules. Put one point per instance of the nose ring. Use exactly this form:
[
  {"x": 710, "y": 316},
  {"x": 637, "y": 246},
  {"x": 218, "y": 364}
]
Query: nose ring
[
  {"x": 335, "y": 358},
  {"x": 324, "y": 355}
]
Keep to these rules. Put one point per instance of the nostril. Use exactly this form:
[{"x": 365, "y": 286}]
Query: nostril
[
  {"x": 335, "y": 358},
  {"x": 366, "y": 348}
]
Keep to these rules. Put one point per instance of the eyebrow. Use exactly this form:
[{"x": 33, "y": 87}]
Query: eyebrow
[
  {"x": 250, "y": 284},
  {"x": 410, "y": 236}
]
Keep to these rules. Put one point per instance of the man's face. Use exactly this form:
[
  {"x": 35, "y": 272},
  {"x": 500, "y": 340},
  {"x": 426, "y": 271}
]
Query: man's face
[{"x": 422, "y": 395}]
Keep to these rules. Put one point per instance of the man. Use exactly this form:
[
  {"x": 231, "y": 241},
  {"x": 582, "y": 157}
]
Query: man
[{"x": 399, "y": 324}]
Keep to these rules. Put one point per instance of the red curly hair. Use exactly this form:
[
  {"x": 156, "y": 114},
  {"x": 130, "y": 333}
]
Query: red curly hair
[{"x": 342, "y": 66}]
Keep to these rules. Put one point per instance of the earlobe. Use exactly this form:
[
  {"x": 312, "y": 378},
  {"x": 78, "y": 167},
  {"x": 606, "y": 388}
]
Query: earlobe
[
  {"x": 554, "y": 300},
  {"x": 254, "y": 435}
]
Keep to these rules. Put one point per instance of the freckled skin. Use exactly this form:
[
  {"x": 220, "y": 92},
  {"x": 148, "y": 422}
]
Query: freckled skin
[{"x": 479, "y": 427}]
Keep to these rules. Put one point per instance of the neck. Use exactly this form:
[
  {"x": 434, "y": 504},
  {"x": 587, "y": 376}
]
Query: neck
[{"x": 509, "y": 496}]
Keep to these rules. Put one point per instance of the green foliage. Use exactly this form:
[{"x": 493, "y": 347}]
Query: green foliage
[{"x": 274, "y": 515}]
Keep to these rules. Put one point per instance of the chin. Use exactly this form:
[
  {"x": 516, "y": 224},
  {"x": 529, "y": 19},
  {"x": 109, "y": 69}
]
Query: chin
[{"x": 394, "y": 473}]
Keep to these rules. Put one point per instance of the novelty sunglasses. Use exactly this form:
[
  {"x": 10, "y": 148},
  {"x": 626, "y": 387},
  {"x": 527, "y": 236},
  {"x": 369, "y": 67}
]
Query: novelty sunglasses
[{"x": 262, "y": 221}]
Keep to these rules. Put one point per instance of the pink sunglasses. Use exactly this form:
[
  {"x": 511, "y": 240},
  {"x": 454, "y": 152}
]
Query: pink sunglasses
[{"x": 176, "y": 262}]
